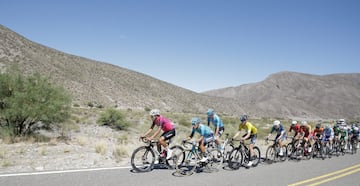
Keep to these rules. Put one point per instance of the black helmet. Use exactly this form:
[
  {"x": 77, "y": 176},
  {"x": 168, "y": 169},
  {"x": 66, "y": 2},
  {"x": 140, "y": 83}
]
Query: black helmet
[
  {"x": 318, "y": 125},
  {"x": 243, "y": 118}
]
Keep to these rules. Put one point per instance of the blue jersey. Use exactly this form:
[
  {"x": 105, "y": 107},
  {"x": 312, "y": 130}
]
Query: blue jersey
[
  {"x": 216, "y": 121},
  {"x": 202, "y": 130},
  {"x": 279, "y": 131},
  {"x": 328, "y": 132}
]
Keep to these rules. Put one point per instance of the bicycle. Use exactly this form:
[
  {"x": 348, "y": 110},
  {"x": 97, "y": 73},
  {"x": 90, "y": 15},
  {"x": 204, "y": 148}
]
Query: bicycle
[
  {"x": 192, "y": 161},
  {"x": 295, "y": 149},
  {"x": 143, "y": 158},
  {"x": 318, "y": 148},
  {"x": 226, "y": 147},
  {"x": 240, "y": 156},
  {"x": 272, "y": 152}
]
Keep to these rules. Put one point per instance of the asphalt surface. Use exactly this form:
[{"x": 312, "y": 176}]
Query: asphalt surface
[{"x": 343, "y": 170}]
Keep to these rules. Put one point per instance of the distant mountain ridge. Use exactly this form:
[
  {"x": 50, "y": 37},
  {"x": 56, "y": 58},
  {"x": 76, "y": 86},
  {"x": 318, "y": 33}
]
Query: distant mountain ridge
[{"x": 285, "y": 94}]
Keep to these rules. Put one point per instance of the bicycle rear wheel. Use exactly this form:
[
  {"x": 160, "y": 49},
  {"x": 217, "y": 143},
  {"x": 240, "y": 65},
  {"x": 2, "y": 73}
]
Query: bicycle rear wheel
[
  {"x": 142, "y": 159},
  {"x": 215, "y": 158},
  {"x": 235, "y": 159},
  {"x": 190, "y": 163},
  {"x": 256, "y": 157},
  {"x": 179, "y": 153}
]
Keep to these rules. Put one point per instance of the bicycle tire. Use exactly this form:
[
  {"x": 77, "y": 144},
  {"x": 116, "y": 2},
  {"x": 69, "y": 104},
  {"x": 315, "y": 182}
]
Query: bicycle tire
[
  {"x": 284, "y": 156},
  {"x": 179, "y": 153},
  {"x": 257, "y": 155},
  {"x": 270, "y": 155},
  {"x": 236, "y": 158},
  {"x": 142, "y": 159},
  {"x": 215, "y": 158},
  {"x": 189, "y": 165}
]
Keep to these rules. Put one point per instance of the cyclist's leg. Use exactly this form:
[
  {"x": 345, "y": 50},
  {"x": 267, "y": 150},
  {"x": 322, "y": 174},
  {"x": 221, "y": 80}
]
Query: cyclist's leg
[{"x": 162, "y": 140}]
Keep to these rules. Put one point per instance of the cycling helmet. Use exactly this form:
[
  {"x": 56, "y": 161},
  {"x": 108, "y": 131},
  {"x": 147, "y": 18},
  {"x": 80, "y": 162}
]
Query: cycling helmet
[
  {"x": 318, "y": 125},
  {"x": 356, "y": 129},
  {"x": 293, "y": 122},
  {"x": 243, "y": 118},
  {"x": 276, "y": 123},
  {"x": 342, "y": 120},
  {"x": 154, "y": 112},
  {"x": 195, "y": 121},
  {"x": 210, "y": 112},
  {"x": 327, "y": 126},
  {"x": 303, "y": 123}
]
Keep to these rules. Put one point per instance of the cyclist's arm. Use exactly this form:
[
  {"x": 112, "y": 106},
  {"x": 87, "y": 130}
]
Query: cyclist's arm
[
  {"x": 247, "y": 135},
  {"x": 156, "y": 133},
  {"x": 236, "y": 135},
  {"x": 149, "y": 130}
]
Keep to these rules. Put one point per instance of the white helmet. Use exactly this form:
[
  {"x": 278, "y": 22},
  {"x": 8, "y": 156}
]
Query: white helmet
[
  {"x": 294, "y": 122},
  {"x": 154, "y": 112},
  {"x": 356, "y": 128},
  {"x": 276, "y": 123},
  {"x": 303, "y": 123}
]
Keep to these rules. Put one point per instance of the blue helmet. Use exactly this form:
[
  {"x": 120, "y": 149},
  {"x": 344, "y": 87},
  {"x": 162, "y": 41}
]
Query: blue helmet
[
  {"x": 195, "y": 120},
  {"x": 210, "y": 112}
]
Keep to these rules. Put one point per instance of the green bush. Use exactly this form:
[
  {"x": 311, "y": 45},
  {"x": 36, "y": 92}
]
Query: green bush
[
  {"x": 31, "y": 103},
  {"x": 113, "y": 118}
]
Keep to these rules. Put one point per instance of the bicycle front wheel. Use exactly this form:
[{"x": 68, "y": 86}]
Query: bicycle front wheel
[
  {"x": 142, "y": 159},
  {"x": 235, "y": 159},
  {"x": 270, "y": 155},
  {"x": 190, "y": 163}
]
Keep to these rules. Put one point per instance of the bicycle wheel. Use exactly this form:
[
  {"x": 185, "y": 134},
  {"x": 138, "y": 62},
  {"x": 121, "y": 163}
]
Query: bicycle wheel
[
  {"x": 256, "y": 157},
  {"x": 235, "y": 158},
  {"x": 215, "y": 158},
  {"x": 290, "y": 150},
  {"x": 270, "y": 155},
  {"x": 142, "y": 159},
  {"x": 284, "y": 156},
  {"x": 190, "y": 163},
  {"x": 179, "y": 153}
]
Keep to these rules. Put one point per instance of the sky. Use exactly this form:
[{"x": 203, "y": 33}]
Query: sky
[{"x": 199, "y": 45}]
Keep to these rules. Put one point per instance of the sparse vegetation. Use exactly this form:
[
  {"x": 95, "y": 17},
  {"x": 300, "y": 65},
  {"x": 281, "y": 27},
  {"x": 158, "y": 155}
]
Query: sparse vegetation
[
  {"x": 30, "y": 103},
  {"x": 113, "y": 118},
  {"x": 100, "y": 148}
]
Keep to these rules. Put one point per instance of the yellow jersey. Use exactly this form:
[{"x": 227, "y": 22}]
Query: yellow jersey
[{"x": 248, "y": 127}]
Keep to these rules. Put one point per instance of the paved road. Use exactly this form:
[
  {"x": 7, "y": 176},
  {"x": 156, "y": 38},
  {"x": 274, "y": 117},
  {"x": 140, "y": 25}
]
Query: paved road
[{"x": 344, "y": 170}]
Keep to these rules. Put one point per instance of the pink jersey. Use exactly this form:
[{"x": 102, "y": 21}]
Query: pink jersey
[{"x": 164, "y": 123}]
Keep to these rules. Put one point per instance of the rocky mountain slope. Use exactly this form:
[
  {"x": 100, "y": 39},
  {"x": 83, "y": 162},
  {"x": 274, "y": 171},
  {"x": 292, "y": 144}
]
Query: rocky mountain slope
[{"x": 284, "y": 94}]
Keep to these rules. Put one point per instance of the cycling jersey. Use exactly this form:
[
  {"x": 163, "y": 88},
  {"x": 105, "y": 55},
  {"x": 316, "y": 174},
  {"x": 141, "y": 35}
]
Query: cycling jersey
[
  {"x": 318, "y": 132},
  {"x": 295, "y": 128},
  {"x": 164, "y": 123},
  {"x": 306, "y": 130},
  {"x": 280, "y": 132},
  {"x": 202, "y": 130},
  {"x": 250, "y": 128},
  {"x": 216, "y": 121}
]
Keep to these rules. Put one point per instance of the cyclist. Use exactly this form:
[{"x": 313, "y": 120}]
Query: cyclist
[
  {"x": 280, "y": 134},
  {"x": 305, "y": 129},
  {"x": 328, "y": 135},
  {"x": 251, "y": 133},
  {"x": 213, "y": 118},
  {"x": 295, "y": 126},
  {"x": 355, "y": 135},
  {"x": 163, "y": 124},
  {"x": 206, "y": 135},
  {"x": 318, "y": 131}
]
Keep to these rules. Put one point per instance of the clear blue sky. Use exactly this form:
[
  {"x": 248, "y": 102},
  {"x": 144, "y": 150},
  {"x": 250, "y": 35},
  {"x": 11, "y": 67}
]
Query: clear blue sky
[{"x": 198, "y": 44}]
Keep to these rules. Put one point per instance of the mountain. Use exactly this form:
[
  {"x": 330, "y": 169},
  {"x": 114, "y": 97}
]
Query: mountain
[
  {"x": 300, "y": 95},
  {"x": 285, "y": 94},
  {"x": 102, "y": 83}
]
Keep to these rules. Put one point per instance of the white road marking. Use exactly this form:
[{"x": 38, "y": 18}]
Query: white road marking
[{"x": 60, "y": 172}]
